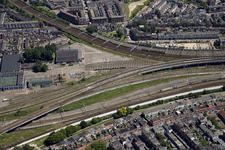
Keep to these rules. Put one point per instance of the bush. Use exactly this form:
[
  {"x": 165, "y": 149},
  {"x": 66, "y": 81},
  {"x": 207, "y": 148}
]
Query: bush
[
  {"x": 159, "y": 136},
  {"x": 91, "y": 30},
  {"x": 21, "y": 113},
  {"x": 55, "y": 138},
  {"x": 83, "y": 124},
  {"x": 24, "y": 147}
]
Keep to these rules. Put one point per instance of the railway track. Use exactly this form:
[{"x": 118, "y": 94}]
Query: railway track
[
  {"x": 152, "y": 68},
  {"x": 89, "y": 38},
  {"x": 97, "y": 110}
]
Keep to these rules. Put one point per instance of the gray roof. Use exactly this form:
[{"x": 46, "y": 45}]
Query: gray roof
[{"x": 10, "y": 63}]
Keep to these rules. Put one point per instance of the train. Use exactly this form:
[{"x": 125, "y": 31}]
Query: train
[{"x": 191, "y": 83}]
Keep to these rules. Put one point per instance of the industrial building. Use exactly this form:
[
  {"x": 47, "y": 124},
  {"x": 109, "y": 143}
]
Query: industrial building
[
  {"x": 69, "y": 56},
  {"x": 11, "y": 76},
  {"x": 43, "y": 82}
]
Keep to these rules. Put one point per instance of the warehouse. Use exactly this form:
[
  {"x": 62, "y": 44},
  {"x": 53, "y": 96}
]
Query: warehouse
[
  {"x": 69, "y": 56},
  {"x": 11, "y": 77},
  {"x": 43, "y": 82}
]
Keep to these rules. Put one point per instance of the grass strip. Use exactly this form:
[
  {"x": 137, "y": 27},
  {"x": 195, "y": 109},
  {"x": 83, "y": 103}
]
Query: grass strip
[
  {"x": 9, "y": 138},
  {"x": 125, "y": 5},
  {"x": 116, "y": 93}
]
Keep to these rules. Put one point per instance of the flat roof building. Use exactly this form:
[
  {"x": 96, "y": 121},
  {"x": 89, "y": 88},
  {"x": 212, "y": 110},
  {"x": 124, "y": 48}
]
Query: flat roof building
[
  {"x": 10, "y": 63},
  {"x": 11, "y": 76},
  {"x": 69, "y": 56}
]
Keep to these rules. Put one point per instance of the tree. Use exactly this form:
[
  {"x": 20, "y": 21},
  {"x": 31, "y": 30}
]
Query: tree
[
  {"x": 129, "y": 110},
  {"x": 205, "y": 114},
  {"x": 157, "y": 11},
  {"x": 51, "y": 47},
  {"x": 69, "y": 130},
  {"x": 99, "y": 145},
  {"x": 120, "y": 32},
  {"x": 63, "y": 131},
  {"x": 204, "y": 4},
  {"x": 137, "y": 107},
  {"x": 55, "y": 138},
  {"x": 44, "y": 68},
  {"x": 38, "y": 66},
  {"x": 36, "y": 54},
  {"x": 21, "y": 60},
  {"x": 27, "y": 55},
  {"x": 83, "y": 124},
  {"x": 207, "y": 23},
  {"x": 24, "y": 147},
  {"x": 153, "y": 29},
  {"x": 122, "y": 112},
  {"x": 94, "y": 120},
  {"x": 91, "y": 30},
  {"x": 159, "y": 136},
  {"x": 115, "y": 116},
  {"x": 145, "y": 29},
  {"x": 53, "y": 56},
  {"x": 223, "y": 87}
]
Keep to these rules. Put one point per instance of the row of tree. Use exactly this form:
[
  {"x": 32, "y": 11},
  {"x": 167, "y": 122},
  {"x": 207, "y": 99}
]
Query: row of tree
[
  {"x": 60, "y": 135},
  {"x": 123, "y": 112},
  {"x": 40, "y": 53}
]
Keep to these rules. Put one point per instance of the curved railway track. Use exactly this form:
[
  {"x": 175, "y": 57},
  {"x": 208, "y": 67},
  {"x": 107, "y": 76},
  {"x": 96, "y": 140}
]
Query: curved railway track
[
  {"x": 153, "y": 68},
  {"x": 89, "y": 38}
]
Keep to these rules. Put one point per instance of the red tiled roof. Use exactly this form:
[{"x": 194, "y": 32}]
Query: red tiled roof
[{"x": 222, "y": 113}]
